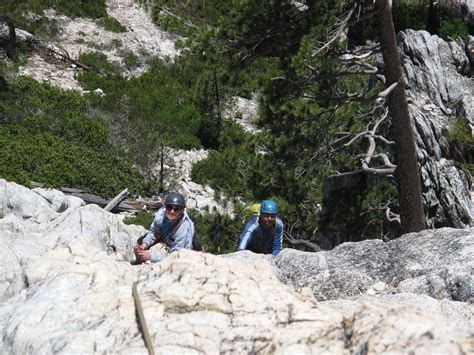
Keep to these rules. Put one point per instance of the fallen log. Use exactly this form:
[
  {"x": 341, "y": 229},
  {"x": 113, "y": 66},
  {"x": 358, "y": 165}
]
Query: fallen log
[
  {"x": 117, "y": 199},
  {"x": 132, "y": 205}
]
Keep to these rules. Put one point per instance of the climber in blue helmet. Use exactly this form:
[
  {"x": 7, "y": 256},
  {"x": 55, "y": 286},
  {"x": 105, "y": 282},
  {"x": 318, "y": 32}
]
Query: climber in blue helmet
[{"x": 263, "y": 234}]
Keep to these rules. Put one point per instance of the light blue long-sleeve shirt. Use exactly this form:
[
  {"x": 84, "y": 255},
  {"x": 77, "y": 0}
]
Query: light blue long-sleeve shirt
[{"x": 176, "y": 238}]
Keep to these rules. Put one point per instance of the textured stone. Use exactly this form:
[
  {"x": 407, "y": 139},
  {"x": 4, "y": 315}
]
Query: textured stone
[
  {"x": 66, "y": 290},
  {"x": 439, "y": 90},
  {"x": 437, "y": 263}
]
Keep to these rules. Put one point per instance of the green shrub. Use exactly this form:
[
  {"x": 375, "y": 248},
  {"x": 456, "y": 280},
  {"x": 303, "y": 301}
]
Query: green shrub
[
  {"x": 454, "y": 28},
  {"x": 130, "y": 60},
  {"x": 225, "y": 170},
  {"x": 460, "y": 130},
  {"x": 218, "y": 234},
  {"x": 98, "y": 64},
  {"x": 18, "y": 10},
  {"x": 412, "y": 16},
  {"x": 111, "y": 24},
  {"x": 160, "y": 105},
  {"x": 55, "y": 162},
  {"x": 86, "y": 8},
  {"x": 50, "y": 136},
  {"x": 143, "y": 219}
]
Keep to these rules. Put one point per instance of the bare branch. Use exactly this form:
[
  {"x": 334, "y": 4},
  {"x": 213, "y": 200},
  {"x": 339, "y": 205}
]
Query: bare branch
[
  {"x": 392, "y": 217},
  {"x": 340, "y": 27},
  {"x": 387, "y": 169},
  {"x": 169, "y": 13},
  {"x": 364, "y": 17},
  {"x": 296, "y": 239},
  {"x": 388, "y": 90},
  {"x": 304, "y": 242}
]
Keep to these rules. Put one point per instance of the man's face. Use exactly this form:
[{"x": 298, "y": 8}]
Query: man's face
[
  {"x": 173, "y": 212},
  {"x": 267, "y": 219}
]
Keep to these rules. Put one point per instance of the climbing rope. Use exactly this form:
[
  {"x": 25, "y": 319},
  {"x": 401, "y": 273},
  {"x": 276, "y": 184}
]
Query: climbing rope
[{"x": 141, "y": 320}]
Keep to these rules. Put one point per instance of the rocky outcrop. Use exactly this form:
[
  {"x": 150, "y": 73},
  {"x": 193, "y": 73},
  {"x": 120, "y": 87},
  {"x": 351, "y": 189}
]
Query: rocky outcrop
[
  {"x": 437, "y": 263},
  {"x": 463, "y": 8},
  {"x": 439, "y": 89},
  {"x": 35, "y": 221},
  {"x": 66, "y": 287},
  {"x": 177, "y": 168},
  {"x": 142, "y": 39},
  {"x": 244, "y": 111}
]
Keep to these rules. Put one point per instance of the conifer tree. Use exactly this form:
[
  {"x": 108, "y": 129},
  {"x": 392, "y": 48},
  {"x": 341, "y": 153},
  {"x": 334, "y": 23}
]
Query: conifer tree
[{"x": 408, "y": 177}]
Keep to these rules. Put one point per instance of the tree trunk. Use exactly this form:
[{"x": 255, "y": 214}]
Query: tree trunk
[
  {"x": 407, "y": 172},
  {"x": 11, "y": 44},
  {"x": 161, "y": 187}
]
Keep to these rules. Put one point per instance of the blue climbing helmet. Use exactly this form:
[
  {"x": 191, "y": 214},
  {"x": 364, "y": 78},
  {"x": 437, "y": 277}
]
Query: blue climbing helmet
[{"x": 269, "y": 206}]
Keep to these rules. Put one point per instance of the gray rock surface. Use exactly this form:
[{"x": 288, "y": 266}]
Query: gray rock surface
[
  {"x": 31, "y": 225},
  {"x": 178, "y": 166},
  {"x": 438, "y": 89},
  {"x": 65, "y": 289},
  {"x": 438, "y": 263},
  {"x": 244, "y": 111},
  {"x": 463, "y": 8}
]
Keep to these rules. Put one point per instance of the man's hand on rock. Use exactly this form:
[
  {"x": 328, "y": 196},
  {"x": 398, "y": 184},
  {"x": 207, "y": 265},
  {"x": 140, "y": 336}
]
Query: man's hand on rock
[{"x": 141, "y": 252}]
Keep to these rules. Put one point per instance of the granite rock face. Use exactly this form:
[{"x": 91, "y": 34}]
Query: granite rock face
[
  {"x": 437, "y": 263},
  {"x": 31, "y": 225},
  {"x": 439, "y": 89},
  {"x": 66, "y": 287}
]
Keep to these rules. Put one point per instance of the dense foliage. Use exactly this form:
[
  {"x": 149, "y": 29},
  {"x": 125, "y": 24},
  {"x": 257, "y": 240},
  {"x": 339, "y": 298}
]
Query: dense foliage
[
  {"x": 251, "y": 49},
  {"x": 430, "y": 16},
  {"x": 26, "y": 14},
  {"x": 51, "y": 136}
]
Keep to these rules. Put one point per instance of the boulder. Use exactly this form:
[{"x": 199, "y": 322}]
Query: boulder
[
  {"x": 31, "y": 226},
  {"x": 437, "y": 263}
]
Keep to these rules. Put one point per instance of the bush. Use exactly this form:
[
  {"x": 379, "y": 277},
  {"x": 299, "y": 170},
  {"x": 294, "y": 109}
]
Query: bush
[
  {"x": 218, "y": 234},
  {"x": 99, "y": 64},
  {"x": 130, "y": 60},
  {"x": 454, "y": 28},
  {"x": 111, "y": 24},
  {"x": 143, "y": 219},
  {"x": 412, "y": 16},
  {"x": 58, "y": 163},
  {"x": 50, "y": 136},
  {"x": 460, "y": 130}
]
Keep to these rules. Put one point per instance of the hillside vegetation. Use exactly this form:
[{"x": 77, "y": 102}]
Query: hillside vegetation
[{"x": 105, "y": 143}]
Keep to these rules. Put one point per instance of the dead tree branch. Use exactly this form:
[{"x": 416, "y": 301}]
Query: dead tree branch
[
  {"x": 64, "y": 55},
  {"x": 370, "y": 134},
  {"x": 336, "y": 32},
  {"x": 296, "y": 239},
  {"x": 392, "y": 217}
]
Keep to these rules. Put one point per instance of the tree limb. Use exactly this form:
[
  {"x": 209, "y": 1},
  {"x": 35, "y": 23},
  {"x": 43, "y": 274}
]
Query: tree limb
[{"x": 340, "y": 27}]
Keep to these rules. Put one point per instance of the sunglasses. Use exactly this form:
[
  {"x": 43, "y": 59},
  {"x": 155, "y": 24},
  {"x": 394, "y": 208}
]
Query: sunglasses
[{"x": 170, "y": 208}]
